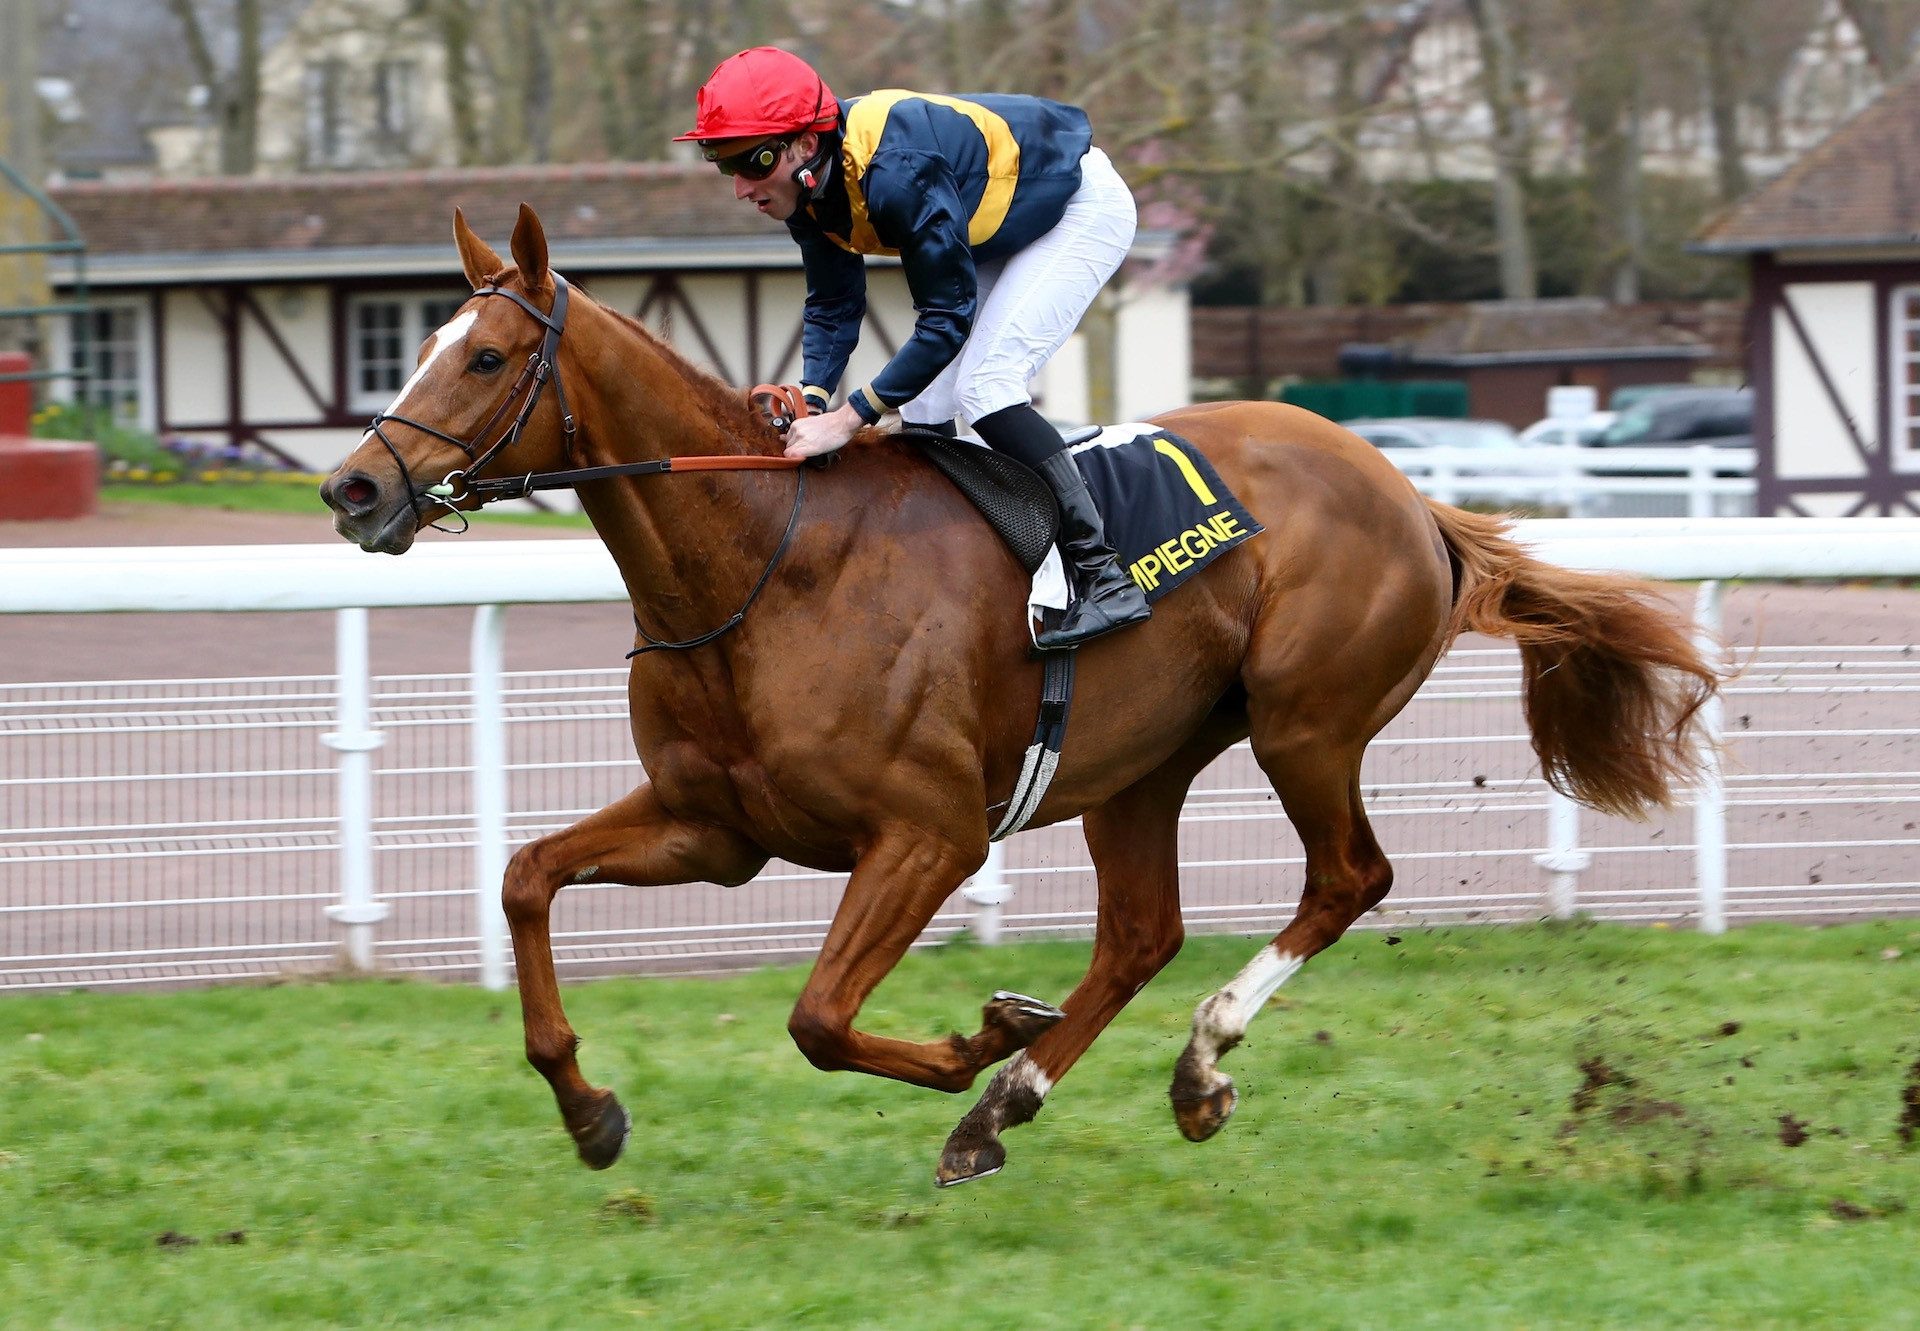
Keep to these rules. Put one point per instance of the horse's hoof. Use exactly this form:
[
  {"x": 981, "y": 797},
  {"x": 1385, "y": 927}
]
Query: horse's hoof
[
  {"x": 965, "y": 1163},
  {"x": 605, "y": 1136},
  {"x": 1201, "y": 1114},
  {"x": 1024, "y": 1019}
]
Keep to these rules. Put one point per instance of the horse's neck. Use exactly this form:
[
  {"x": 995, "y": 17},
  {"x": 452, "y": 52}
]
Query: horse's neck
[{"x": 688, "y": 545}]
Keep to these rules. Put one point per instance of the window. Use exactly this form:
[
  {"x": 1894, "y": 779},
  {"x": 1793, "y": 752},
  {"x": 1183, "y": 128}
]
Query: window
[
  {"x": 393, "y": 105},
  {"x": 1904, "y": 379},
  {"x": 384, "y": 334},
  {"x": 326, "y": 95},
  {"x": 107, "y": 349}
]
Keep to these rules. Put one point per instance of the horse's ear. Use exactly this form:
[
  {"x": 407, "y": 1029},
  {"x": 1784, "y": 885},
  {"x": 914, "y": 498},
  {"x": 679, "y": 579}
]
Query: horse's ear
[
  {"x": 530, "y": 249},
  {"x": 476, "y": 256}
]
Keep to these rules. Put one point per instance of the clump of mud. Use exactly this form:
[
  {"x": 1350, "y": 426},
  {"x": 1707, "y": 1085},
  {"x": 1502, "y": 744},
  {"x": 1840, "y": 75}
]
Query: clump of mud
[
  {"x": 1792, "y": 1130},
  {"x": 1627, "y": 1109},
  {"x": 1909, "y": 1127},
  {"x": 1599, "y": 1075}
]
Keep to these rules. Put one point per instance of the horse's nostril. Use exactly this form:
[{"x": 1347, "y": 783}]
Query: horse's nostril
[{"x": 359, "y": 490}]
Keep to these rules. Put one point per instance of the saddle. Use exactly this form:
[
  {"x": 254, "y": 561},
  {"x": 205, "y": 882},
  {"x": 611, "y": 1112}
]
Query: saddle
[{"x": 1012, "y": 498}]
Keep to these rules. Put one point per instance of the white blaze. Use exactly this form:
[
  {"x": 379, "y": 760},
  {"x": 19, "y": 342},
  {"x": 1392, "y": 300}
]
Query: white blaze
[{"x": 444, "y": 338}]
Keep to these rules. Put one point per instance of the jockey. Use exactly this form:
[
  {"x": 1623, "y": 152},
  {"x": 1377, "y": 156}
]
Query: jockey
[{"x": 1007, "y": 221}]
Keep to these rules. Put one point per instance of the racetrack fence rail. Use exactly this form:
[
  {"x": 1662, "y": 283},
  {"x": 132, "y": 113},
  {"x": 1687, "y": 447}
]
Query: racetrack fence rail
[{"x": 180, "y": 831}]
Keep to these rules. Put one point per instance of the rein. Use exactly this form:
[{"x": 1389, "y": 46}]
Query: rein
[{"x": 542, "y": 368}]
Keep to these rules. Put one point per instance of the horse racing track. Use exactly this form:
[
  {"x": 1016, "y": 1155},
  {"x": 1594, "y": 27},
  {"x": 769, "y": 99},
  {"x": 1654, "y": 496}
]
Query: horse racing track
[{"x": 1442, "y": 1125}]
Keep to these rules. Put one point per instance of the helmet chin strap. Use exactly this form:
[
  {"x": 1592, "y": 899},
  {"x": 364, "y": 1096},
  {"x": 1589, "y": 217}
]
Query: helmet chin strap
[{"x": 811, "y": 174}]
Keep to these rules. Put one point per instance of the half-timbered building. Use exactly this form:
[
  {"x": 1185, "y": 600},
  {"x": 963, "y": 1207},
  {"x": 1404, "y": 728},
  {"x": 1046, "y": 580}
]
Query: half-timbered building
[
  {"x": 1833, "y": 247},
  {"x": 283, "y": 312}
]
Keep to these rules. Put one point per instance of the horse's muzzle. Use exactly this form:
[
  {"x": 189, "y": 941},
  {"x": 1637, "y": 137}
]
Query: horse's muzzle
[{"x": 377, "y": 518}]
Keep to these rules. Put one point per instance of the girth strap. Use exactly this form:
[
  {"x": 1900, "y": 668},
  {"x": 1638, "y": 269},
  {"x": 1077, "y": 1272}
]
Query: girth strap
[{"x": 1043, "y": 754}]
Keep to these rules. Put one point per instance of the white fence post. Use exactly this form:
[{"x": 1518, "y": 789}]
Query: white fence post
[
  {"x": 354, "y": 740},
  {"x": 1564, "y": 861},
  {"x": 1710, "y": 794},
  {"x": 1446, "y": 477},
  {"x": 1700, "y": 478},
  {"x": 989, "y": 891},
  {"x": 489, "y": 792}
]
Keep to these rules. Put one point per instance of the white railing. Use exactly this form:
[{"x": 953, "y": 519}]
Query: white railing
[
  {"x": 354, "y": 716},
  {"x": 1699, "y": 481}
]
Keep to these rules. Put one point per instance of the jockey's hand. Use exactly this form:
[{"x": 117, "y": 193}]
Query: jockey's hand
[{"x": 811, "y": 436}]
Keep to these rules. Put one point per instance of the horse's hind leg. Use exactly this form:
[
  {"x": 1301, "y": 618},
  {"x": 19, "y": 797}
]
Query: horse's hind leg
[
  {"x": 1346, "y": 876},
  {"x": 1134, "y": 842},
  {"x": 633, "y": 840}
]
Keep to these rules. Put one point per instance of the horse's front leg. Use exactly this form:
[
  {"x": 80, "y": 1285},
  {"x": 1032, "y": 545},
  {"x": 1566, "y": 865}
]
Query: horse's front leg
[
  {"x": 896, "y": 887},
  {"x": 635, "y": 841}
]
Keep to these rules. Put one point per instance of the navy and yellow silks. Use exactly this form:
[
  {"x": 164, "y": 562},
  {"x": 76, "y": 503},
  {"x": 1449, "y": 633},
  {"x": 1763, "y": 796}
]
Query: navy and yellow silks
[
  {"x": 1167, "y": 513},
  {"x": 944, "y": 183}
]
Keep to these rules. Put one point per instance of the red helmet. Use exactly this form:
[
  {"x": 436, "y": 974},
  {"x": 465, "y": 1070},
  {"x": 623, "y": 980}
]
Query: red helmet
[{"x": 763, "y": 90}]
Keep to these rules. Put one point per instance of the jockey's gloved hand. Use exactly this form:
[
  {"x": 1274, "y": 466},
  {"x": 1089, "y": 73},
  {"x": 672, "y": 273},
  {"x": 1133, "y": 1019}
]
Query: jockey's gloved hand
[{"x": 783, "y": 404}]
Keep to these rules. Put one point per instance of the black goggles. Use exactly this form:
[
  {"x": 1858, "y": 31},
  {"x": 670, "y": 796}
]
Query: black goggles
[{"x": 755, "y": 163}]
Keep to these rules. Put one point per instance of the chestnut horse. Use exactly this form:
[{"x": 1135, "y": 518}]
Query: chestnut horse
[{"x": 871, "y": 704}]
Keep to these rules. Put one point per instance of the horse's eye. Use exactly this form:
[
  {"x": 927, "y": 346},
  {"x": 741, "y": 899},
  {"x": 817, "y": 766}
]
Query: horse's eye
[{"x": 487, "y": 362}]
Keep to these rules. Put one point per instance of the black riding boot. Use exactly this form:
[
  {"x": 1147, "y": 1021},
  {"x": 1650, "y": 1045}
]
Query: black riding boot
[{"x": 1104, "y": 597}]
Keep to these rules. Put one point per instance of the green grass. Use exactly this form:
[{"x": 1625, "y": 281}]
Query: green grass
[
  {"x": 1405, "y": 1153},
  {"x": 286, "y": 497}
]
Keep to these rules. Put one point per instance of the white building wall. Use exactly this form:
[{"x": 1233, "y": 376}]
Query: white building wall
[
  {"x": 196, "y": 353},
  {"x": 302, "y": 316},
  {"x": 1155, "y": 371},
  {"x": 1810, "y": 437},
  {"x": 315, "y": 450}
]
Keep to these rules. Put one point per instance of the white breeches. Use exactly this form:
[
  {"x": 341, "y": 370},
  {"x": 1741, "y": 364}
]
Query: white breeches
[{"x": 1030, "y": 302}]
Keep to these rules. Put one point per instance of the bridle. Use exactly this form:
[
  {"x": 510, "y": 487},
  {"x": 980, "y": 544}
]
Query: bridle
[{"x": 542, "y": 368}]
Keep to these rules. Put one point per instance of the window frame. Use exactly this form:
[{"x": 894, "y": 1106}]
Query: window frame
[
  {"x": 418, "y": 323},
  {"x": 1903, "y": 378},
  {"x": 63, "y": 343}
]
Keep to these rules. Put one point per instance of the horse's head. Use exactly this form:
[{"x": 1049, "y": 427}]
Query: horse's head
[{"x": 479, "y": 399}]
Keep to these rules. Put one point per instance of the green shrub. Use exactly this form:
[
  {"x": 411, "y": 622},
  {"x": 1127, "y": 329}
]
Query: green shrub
[{"x": 80, "y": 420}]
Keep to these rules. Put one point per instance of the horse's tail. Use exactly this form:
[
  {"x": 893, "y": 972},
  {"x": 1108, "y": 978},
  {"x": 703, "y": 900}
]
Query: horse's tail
[{"x": 1614, "y": 682}]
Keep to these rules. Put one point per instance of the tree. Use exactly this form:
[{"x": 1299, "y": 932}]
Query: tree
[
  {"x": 22, "y": 276},
  {"x": 1885, "y": 31},
  {"x": 232, "y": 94},
  {"x": 1721, "y": 32},
  {"x": 453, "y": 21},
  {"x": 1505, "y": 87}
]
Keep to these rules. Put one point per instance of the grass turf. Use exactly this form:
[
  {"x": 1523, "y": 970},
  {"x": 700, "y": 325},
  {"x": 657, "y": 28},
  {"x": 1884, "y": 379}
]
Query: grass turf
[{"x": 1406, "y": 1153}]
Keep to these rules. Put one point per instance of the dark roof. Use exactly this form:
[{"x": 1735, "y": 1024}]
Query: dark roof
[
  {"x": 1858, "y": 186},
  {"x": 1580, "y": 328},
  {"x": 598, "y": 217},
  {"x": 604, "y": 201}
]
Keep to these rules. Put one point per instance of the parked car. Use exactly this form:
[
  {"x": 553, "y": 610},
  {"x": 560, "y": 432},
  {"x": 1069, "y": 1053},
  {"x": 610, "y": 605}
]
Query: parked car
[
  {"x": 1390, "y": 432},
  {"x": 1628, "y": 395},
  {"x": 1722, "y": 417},
  {"x": 1563, "y": 431}
]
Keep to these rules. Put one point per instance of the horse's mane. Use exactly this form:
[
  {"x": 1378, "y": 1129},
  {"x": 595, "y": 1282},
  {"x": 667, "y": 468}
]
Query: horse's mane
[{"x": 725, "y": 405}]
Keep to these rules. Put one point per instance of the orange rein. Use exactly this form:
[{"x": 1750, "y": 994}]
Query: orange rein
[{"x": 730, "y": 462}]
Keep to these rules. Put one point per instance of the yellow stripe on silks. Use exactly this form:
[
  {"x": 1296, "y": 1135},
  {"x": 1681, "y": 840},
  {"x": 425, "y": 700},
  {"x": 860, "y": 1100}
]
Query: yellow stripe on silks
[
  {"x": 867, "y": 123},
  {"x": 1187, "y": 469}
]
